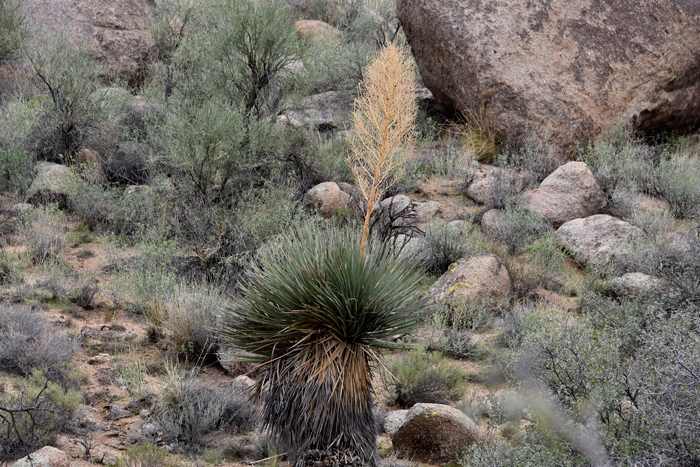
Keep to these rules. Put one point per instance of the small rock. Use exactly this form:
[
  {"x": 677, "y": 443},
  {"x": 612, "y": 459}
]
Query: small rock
[
  {"x": 109, "y": 459},
  {"x": 435, "y": 434},
  {"x": 20, "y": 209},
  {"x": 632, "y": 283},
  {"x": 597, "y": 240},
  {"x": 479, "y": 279},
  {"x": 325, "y": 111},
  {"x": 150, "y": 429},
  {"x": 329, "y": 199},
  {"x": 492, "y": 221},
  {"x": 230, "y": 360},
  {"x": 52, "y": 184},
  {"x": 394, "y": 420},
  {"x": 144, "y": 413},
  {"x": 117, "y": 412},
  {"x": 242, "y": 383},
  {"x": 45, "y": 457},
  {"x": 99, "y": 359},
  {"x": 426, "y": 211},
  {"x": 98, "y": 457},
  {"x": 495, "y": 183},
  {"x": 568, "y": 193}
]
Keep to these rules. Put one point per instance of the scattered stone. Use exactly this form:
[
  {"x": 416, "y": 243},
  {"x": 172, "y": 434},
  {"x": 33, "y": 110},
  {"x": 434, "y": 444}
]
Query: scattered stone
[
  {"x": 45, "y": 457},
  {"x": 326, "y": 111},
  {"x": 426, "y": 211},
  {"x": 52, "y": 184},
  {"x": 395, "y": 204},
  {"x": 568, "y": 193},
  {"x": 230, "y": 360},
  {"x": 394, "y": 420},
  {"x": 20, "y": 209},
  {"x": 99, "y": 359},
  {"x": 144, "y": 413},
  {"x": 478, "y": 279},
  {"x": 150, "y": 429},
  {"x": 574, "y": 66},
  {"x": 435, "y": 434},
  {"x": 350, "y": 189},
  {"x": 242, "y": 383},
  {"x": 492, "y": 221},
  {"x": 632, "y": 283},
  {"x": 109, "y": 459},
  {"x": 98, "y": 457},
  {"x": 329, "y": 199},
  {"x": 493, "y": 183},
  {"x": 117, "y": 412},
  {"x": 597, "y": 240}
]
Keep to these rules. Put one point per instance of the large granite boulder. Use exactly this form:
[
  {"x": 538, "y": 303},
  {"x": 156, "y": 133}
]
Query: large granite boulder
[
  {"x": 479, "y": 279},
  {"x": 573, "y": 66},
  {"x": 568, "y": 193},
  {"x": 118, "y": 29},
  {"x": 435, "y": 434},
  {"x": 598, "y": 240}
]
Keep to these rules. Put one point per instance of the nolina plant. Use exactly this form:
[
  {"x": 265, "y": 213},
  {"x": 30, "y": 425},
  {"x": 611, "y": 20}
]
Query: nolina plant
[
  {"x": 316, "y": 312},
  {"x": 383, "y": 126}
]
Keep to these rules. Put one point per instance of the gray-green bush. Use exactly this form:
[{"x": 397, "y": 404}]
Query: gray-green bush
[
  {"x": 70, "y": 77},
  {"x": 13, "y": 28},
  {"x": 417, "y": 376}
]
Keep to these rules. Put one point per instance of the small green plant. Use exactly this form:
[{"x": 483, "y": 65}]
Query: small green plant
[
  {"x": 677, "y": 178},
  {"x": 418, "y": 376},
  {"x": 519, "y": 227},
  {"x": 144, "y": 455},
  {"x": 33, "y": 413},
  {"x": 43, "y": 233},
  {"x": 188, "y": 409},
  {"x": 193, "y": 319},
  {"x": 442, "y": 246},
  {"x": 13, "y": 28},
  {"x": 17, "y": 119},
  {"x": 51, "y": 349}
]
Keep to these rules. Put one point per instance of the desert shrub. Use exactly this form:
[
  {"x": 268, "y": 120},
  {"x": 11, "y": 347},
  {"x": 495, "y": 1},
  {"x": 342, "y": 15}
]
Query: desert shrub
[
  {"x": 16, "y": 160},
  {"x": 70, "y": 76},
  {"x": 503, "y": 454},
  {"x": 217, "y": 147},
  {"x": 85, "y": 294},
  {"x": 144, "y": 455},
  {"x": 417, "y": 376},
  {"x": 442, "y": 246},
  {"x": 677, "y": 178},
  {"x": 42, "y": 231},
  {"x": 536, "y": 155},
  {"x": 188, "y": 409},
  {"x": 454, "y": 343},
  {"x": 137, "y": 210},
  {"x": 29, "y": 342},
  {"x": 470, "y": 314},
  {"x": 193, "y": 315},
  {"x": 520, "y": 227},
  {"x": 13, "y": 28},
  {"x": 88, "y": 197},
  {"x": 33, "y": 413},
  {"x": 623, "y": 166}
]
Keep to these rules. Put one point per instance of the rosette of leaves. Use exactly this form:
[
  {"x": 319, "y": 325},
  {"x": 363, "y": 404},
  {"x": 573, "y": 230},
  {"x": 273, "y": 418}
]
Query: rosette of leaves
[{"x": 316, "y": 313}]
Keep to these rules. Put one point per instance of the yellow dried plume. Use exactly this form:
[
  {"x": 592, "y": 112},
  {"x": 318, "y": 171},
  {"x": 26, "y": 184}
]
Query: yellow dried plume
[{"x": 383, "y": 126}]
